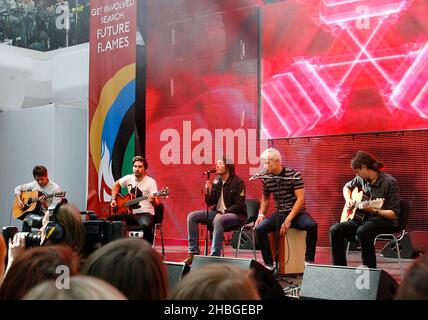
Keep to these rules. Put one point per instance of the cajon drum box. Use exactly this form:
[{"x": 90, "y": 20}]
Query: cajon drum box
[{"x": 292, "y": 249}]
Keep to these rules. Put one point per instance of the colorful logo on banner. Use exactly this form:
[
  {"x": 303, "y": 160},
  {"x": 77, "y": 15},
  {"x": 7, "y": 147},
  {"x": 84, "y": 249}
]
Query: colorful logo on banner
[{"x": 117, "y": 97}]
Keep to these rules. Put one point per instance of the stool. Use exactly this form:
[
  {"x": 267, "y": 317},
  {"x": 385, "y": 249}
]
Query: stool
[{"x": 292, "y": 249}]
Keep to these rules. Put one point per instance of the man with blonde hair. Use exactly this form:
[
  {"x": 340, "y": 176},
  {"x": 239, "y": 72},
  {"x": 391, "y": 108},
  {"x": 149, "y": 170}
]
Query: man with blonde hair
[{"x": 286, "y": 185}]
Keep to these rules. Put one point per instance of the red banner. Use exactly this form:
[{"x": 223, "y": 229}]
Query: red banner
[{"x": 111, "y": 90}]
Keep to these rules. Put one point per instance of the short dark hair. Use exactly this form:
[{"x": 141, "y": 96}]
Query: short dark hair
[
  {"x": 366, "y": 159},
  {"x": 40, "y": 171},
  {"x": 142, "y": 159}
]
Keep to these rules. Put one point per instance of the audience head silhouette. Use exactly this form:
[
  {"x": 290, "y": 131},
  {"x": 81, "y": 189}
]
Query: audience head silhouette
[
  {"x": 80, "y": 288},
  {"x": 132, "y": 266},
  {"x": 414, "y": 285},
  {"x": 217, "y": 282},
  {"x": 35, "y": 265},
  {"x": 67, "y": 216}
]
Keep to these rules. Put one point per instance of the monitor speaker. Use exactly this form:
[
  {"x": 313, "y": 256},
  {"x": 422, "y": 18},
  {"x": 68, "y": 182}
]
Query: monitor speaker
[
  {"x": 346, "y": 283},
  {"x": 269, "y": 287},
  {"x": 411, "y": 245},
  {"x": 175, "y": 271},
  {"x": 246, "y": 240}
]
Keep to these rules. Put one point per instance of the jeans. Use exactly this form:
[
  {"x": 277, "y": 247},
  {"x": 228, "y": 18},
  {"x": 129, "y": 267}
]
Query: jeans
[
  {"x": 303, "y": 221},
  {"x": 366, "y": 233},
  {"x": 219, "y": 222}
]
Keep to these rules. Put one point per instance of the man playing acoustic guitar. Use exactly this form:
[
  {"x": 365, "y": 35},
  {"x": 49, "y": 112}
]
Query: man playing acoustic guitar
[
  {"x": 138, "y": 185},
  {"x": 46, "y": 192},
  {"x": 371, "y": 217}
]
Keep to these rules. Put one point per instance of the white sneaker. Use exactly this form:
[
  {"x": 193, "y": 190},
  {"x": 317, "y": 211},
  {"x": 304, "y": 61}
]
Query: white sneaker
[{"x": 270, "y": 267}]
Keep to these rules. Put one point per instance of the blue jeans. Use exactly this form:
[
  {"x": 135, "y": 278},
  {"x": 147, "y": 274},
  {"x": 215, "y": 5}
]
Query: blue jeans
[
  {"x": 303, "y": 221},
  {"x": 219, "y": 222}
]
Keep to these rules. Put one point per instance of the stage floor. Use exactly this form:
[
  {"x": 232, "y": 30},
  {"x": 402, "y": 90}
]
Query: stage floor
[{"x": 177, "y": 253}]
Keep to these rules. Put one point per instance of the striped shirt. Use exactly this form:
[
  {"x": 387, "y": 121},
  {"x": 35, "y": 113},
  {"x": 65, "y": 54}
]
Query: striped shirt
[{"x": 284, "y": 195}]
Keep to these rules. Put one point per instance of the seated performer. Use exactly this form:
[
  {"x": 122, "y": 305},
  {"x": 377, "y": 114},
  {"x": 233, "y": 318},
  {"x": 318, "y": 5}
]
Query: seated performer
[
  {"x": 289, "y": 196},
  {"x": 226, "y": 195},
  {"x": 368, "y": 221},
  {"x": 46, "y": 194},
  {"x": 139, "y": 185}
]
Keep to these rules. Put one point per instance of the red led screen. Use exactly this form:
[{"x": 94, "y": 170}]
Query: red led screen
[{"x": 202, "y": 77}]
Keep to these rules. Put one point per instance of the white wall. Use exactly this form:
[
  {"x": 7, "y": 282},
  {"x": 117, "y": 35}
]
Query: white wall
[
  {"x": 15, "y": 75},
  {"x": 30, "y": 78},
  {"x": 43, "y": 96},
  {"x": 55, "y": 136}
]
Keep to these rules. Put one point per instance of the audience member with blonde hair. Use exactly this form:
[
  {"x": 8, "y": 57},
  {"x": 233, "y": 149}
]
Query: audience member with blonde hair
[
  {"x": 132, "y": 266},
  {"x": 69, "y": 218},
  {"x": 81, "y": 288},
  {"x": 217, "y": 282}
]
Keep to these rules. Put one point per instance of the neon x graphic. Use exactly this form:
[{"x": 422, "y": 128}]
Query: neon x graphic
[{"x": 312, "y": 90}]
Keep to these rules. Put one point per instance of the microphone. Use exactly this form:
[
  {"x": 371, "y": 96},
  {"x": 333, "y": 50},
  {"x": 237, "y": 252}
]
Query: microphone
[
  {"x": 212, "y": 170},
  {"x": 258, "y": 175}
]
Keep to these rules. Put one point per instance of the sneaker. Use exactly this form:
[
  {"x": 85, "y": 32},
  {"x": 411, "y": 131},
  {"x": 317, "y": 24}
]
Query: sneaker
[
  {"x": 270, "y": 267},
  {"x": 189, "y": 259},
  {"x": 309, "y": 262}
]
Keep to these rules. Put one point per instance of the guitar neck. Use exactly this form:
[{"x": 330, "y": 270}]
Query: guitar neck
[
  {"x": 366, "y": 203},
  {"x": 135, "y": 201},
  {"x": 48, "y": 196}
]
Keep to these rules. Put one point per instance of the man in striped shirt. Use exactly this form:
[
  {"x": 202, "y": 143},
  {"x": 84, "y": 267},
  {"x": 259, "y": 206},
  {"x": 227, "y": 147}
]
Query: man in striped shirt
[{"x": 288, "y": 191}]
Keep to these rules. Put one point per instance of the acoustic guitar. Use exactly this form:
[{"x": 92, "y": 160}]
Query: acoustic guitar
[
  {"x": 31, "y": 200},
  {"x": 359, "y": 215},
  {"x": 125, "y": 204}
]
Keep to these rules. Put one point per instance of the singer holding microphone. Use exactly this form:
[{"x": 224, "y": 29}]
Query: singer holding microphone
[
  {"x": 287, "y": 187},
  {"x": 226, "y": 197}
]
